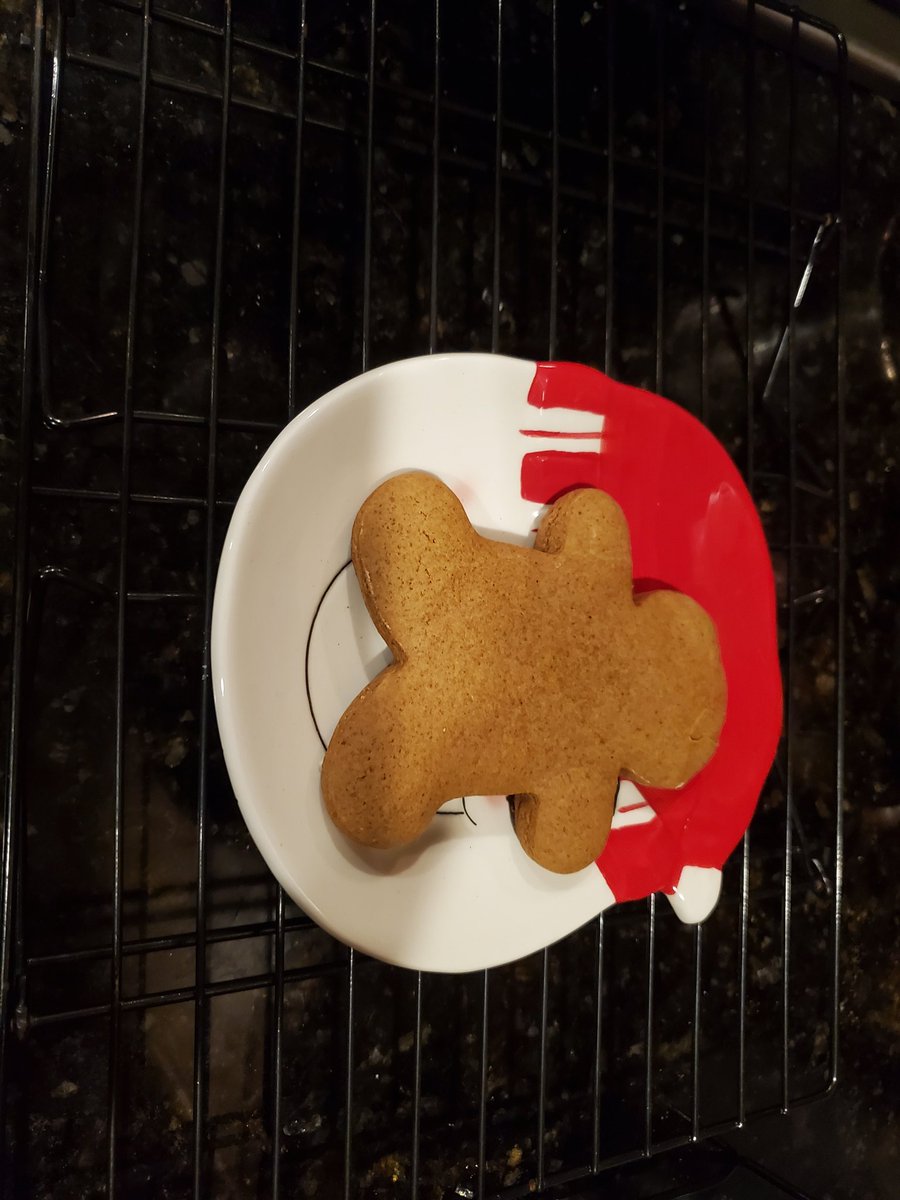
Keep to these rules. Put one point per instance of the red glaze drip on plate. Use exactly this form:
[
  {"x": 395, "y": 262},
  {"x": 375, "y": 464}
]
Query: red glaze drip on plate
[{"x": 694, "y": 528}]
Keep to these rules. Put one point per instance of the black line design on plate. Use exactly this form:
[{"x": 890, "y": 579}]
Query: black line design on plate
[
  {"x": 456, "y": 813},
  {"x": 312, "y": 626}
]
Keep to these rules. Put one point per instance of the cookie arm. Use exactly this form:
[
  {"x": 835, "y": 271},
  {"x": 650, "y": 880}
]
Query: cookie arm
[
  {"x": 375, "y": 779},
  {"x": 564, "y": 824},
  {"x": 588, "y": 523}
]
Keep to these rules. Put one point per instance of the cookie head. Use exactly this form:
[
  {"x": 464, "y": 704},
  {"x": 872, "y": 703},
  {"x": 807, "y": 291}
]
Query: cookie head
[{"x": 411, "y": 542}]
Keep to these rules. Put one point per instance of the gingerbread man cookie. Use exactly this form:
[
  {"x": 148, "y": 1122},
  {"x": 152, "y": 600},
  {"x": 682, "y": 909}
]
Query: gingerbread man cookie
[{"x": 530, "y": 672}]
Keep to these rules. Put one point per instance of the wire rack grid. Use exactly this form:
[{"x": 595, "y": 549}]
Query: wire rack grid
[{"x": 231, "y": 209}]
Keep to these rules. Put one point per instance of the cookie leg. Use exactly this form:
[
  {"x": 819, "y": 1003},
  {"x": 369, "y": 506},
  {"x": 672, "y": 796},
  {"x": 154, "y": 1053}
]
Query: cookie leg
[
  {"x": 378, "y": 780},
  {"x": 564, "y": 825}
]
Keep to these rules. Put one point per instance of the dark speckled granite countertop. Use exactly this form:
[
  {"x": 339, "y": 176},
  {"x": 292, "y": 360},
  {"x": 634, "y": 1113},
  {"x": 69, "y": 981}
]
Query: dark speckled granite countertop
[{"x": 844, "y": 1147}]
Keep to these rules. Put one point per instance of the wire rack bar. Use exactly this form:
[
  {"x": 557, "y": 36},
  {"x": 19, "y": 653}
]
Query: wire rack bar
[
  {"x": 172, "y": 941},
  {"x": 609, "y": 315},
  {"x": 281, "y": 923},
  {"x": 295, "y": 220},
  {"x": 553, "y": 313},
  {"x": 750, "y": 135},
  {"x": 435, "y": 184},
  {"x": 483, "y": 1082},
  {"x": 415, "y": 1153},
  {"x": 222, "y": 987},
  {"x": 350, "y": 1062},
  {"x": 496, "y": 297},
  {"x": 704, "y": 267},
  {"x": 12, "y": 804},
  {"x": 790, "y": 720},
  {"x": 122, "y": 611},
  {"x": 843, "y": 107},
  {"x": 201, "y": 1019},
  {"x": 278, "y": 1044}
]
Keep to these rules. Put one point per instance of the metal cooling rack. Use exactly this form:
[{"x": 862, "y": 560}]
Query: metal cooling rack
[{"x": 657, "y": 189}]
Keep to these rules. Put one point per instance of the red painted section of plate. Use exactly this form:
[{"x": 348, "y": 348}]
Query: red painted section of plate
[{"x": 694, "y": 528}]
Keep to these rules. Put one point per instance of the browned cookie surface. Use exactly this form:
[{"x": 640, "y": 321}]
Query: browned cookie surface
[{"x": 531, "y": 672}]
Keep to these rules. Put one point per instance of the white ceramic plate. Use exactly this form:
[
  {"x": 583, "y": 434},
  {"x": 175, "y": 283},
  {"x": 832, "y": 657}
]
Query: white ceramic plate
[{"x": 292, "y": 644}]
